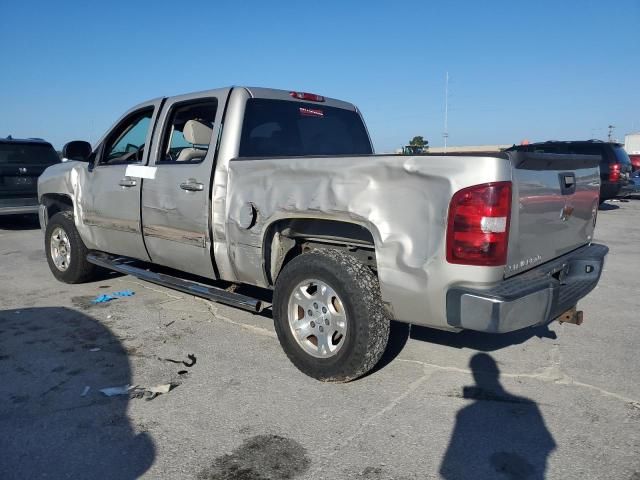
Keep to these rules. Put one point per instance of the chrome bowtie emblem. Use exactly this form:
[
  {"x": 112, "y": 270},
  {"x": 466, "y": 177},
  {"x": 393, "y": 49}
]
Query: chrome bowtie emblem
[{"x": 22, "y": 170}]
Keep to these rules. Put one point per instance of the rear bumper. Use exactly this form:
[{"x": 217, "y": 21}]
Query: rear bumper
[
  {"x": 609, "y": 190},
  {"x": 632, "y": 188},
  {"x": 532, "y": 298}
]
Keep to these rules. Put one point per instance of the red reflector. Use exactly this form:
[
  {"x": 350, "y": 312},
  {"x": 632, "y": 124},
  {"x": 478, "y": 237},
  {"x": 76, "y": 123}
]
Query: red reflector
[
  {"x": 311, "y": 97},
  {"x": 478, "y": 226},
  {"x": 614, "y": 172}
]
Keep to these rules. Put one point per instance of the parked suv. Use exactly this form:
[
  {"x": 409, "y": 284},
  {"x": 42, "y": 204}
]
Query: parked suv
[
  {"x": 21, "y": 163},
  {"x": 615, "y": 166}
]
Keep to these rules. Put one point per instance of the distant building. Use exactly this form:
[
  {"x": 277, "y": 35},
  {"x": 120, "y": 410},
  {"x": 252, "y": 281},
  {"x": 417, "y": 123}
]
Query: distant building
[
  {"x": 632, "y": 146},
  {"x": 632, "y": 143},
  {"x": 469, "y": 148}
]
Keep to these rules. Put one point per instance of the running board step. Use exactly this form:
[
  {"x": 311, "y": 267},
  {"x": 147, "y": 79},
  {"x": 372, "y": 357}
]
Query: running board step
[{"x": 128, "y": 267}]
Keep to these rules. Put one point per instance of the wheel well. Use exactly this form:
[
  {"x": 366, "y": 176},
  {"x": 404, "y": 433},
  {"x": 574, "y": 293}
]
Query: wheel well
[
  {"x": 56, "y": 203},
  {"x": 286, "y": 239}
]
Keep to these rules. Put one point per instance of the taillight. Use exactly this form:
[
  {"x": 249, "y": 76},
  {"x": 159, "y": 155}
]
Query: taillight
[
  {"x": 311, "y": 97},
  {"x": 478, "y": 226},
  {"x": 614, "y": 172}
]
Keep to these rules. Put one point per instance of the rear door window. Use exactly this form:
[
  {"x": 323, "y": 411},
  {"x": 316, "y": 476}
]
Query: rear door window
[
  {"x": 274, "y": 128},
  {"x": 582, "y": 149},
  {"x": 27, "y": 154},
  {"x": 188, "y": 134}
]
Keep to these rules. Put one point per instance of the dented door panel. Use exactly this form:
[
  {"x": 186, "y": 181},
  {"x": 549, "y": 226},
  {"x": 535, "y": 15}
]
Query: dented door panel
[{"x": 176, "y": 203}]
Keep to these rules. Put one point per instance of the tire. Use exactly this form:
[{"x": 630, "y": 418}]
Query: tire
[
  {"x": 74, "y": 268},
  {"x": 349, "y": 313}
]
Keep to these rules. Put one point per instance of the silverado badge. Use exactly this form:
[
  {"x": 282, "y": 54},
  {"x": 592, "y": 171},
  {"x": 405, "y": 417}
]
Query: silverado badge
[{"x": 514, "y": 267}]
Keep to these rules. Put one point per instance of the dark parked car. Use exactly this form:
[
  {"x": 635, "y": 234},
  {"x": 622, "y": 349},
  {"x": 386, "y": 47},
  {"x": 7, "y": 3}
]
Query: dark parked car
[
  {"x": 21, "y": 163},
  {"x": 615, "y": 166}
]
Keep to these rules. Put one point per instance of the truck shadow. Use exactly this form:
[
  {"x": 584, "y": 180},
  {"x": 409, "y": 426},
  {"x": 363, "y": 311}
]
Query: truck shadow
[
  {"x": 19, "y": 222},
  {"x": 48, "y": 427},
  {"x": 483, "y": 342},
  {"x": 608, "y": 206},
  {"x": 400, "y": 333}
]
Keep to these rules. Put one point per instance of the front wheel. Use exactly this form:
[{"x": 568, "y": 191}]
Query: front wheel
[
  {"x": 66, "y": 253},
  {"x": 329, "y": 315}
]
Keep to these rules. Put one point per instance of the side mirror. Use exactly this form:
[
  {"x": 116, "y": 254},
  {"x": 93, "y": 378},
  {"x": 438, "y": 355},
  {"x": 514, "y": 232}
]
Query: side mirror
[{"x": 77, "y": 150}]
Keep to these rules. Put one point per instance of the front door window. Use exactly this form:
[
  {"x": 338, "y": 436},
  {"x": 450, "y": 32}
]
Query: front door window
[{"x": 127, "y": 143}]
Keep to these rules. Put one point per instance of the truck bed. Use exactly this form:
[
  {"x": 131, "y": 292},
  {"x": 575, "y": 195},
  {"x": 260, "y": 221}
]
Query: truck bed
[{"x": 403, "y": 202}]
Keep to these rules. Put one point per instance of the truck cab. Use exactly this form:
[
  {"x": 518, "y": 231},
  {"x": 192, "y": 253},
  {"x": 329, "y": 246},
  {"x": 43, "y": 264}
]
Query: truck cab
[{"x": 153, "y": 188}]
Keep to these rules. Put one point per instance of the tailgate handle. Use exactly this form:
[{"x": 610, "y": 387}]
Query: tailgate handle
[{"x": 567, "y": 182}]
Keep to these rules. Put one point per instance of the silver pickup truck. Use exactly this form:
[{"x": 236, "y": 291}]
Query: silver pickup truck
[{"x": 281, "y": 190}]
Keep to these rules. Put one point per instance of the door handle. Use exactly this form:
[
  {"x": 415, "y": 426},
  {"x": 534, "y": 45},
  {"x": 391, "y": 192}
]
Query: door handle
[
  {"x": 127, "y": 182},
  {"x": 192, "y": 186}
]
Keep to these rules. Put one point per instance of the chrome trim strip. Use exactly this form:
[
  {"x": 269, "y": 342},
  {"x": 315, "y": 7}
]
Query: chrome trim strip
[
  {"x": 22, "y": 209},
  {"x": 129, "y": 226},
  {"x": 196, "y": 239}
]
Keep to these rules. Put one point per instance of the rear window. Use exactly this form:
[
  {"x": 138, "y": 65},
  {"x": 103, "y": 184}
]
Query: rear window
[
  {"x": 582, "y": 149},
  {"x": 27, "y": 154},
  {"x": 567, "y": 149},
  {"x": 275, "y": 128},
  {"x": 621, "y": 155}
]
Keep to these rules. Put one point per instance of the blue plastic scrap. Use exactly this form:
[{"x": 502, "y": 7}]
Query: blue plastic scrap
[{"x": 107, "y": 297}]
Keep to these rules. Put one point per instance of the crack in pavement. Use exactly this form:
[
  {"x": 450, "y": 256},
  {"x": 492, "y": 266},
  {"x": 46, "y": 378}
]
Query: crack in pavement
[
  {"x": 550, "y": 374},
  {"x": 337, "y": 447},
  {"x": 174, "y": 297},
  {"x": 213, "y": 309}
]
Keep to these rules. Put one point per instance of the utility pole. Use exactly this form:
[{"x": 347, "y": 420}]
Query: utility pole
[
  {"x": 610, "y": 136},
  {"x": 445, "y": 134}
]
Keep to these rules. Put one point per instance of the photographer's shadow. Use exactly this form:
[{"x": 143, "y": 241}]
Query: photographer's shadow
[
  {"x": 498, "y": 436},
  {"x": 51, "y": 425}
]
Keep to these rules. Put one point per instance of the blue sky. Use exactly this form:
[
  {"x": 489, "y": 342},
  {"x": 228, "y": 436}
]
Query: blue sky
[{"x": 537, "y": 70}]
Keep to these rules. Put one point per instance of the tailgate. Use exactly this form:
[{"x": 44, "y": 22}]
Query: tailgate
[
  {"x": 21, "y": 163},
  {"x": 20, "y": 180},
  {"x": 555, "y": 203}
]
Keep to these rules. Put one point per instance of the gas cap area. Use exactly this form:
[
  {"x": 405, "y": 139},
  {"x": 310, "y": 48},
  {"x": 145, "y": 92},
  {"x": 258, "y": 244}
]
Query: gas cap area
[{"x": 247, "y": 216}]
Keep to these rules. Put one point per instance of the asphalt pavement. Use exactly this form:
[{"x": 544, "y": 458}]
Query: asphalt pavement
[{"x": 561, "y": 402}]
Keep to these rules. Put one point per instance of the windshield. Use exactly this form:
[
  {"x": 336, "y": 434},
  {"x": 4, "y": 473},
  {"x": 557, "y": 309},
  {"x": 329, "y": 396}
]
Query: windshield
[
  {"x": 275, "y": 128},
  {"x": 28, "y": 154}
]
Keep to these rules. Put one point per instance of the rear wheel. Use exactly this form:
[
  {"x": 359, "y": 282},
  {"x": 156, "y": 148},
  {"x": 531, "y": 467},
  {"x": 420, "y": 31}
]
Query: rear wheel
[
  {"x": 66, "y": 253},
  {"x": 329, "y": 315}
]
